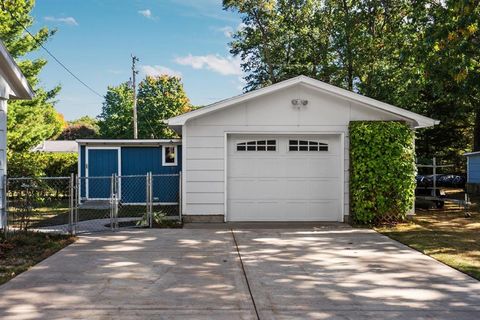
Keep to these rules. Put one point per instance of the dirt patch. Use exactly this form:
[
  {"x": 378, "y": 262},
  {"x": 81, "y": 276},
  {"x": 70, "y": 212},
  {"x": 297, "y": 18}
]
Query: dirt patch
[{"x": 22, "y": 250}]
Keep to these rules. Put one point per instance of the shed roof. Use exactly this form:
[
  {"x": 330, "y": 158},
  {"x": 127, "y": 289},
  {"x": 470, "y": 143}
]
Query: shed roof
[
  {"x": 128, "y": 142},
  {"x": 56, "y": 146},
  {"x": 419, "y": 120},
  {"x": 475, "y": 153},
  {"x": 9, "y": 70}
]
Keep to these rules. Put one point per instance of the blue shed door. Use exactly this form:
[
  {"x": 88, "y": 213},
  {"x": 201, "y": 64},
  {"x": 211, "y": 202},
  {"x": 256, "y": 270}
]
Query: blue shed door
[{"x": 102, "y": 163}]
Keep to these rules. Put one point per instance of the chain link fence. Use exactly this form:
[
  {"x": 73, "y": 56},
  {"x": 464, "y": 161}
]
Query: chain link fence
[
  {"x": 39, "y": 203},
  {"x": 91, "y": 204}
]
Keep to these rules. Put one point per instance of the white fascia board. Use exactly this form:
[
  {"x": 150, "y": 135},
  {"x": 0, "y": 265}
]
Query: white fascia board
[
  {"x": 19, "y": 86},
  {"x": 472, "y": 153},
  {"x": 421, "y": 121},
  {"x": 128, "y": 141}
]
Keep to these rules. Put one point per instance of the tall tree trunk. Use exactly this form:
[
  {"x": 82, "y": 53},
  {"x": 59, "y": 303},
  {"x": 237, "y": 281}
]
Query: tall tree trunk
[{"x": 476, "y": 131}]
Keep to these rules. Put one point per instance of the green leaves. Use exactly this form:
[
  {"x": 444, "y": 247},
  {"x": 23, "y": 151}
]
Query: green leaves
[
  {"x": 382, "y": 171},
  {"x": 417, "y": 55},
  {"x": 28, "y": 122},
  {"x": 38, "y": 164},
  {"x": 158, "y": 99}
]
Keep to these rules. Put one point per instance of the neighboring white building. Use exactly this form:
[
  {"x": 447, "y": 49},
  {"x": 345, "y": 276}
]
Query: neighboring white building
[
  {"x": 280, "y": 153},
  {"x": 56, "y": 146},
  {"x": 13, "y": 85}
]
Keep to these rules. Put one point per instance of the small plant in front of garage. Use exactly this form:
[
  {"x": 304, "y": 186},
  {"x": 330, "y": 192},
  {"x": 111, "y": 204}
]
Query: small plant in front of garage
[
  {"x": 382, "y": 171},
  {"x": 159, "y": 220}
]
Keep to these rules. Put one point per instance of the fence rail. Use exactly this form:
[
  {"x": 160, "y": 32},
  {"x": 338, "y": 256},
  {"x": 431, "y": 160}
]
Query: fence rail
[{"x": 91, "y": 204}]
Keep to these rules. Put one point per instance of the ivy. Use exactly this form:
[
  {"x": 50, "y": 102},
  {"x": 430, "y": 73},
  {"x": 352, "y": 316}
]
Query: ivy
[{"x": 382, "y": 171}]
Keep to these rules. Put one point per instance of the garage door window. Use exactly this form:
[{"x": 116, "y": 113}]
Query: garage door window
[
  {"x": 257, "y": 145},
  {"x": 306, "y": 145}
]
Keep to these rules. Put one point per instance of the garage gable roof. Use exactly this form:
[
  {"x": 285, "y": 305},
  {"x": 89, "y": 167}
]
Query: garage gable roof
[
  {"x": 9, "y": 70},
  {"x": 419, "y": 120}
]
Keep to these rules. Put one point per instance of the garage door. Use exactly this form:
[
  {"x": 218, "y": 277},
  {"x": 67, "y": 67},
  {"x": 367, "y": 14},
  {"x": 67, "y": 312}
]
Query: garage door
[{"x": 284, "y": 178}]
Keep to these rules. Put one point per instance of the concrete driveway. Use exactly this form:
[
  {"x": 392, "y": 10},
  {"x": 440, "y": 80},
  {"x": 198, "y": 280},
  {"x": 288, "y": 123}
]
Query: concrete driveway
[{"x": 307, "y": 273}]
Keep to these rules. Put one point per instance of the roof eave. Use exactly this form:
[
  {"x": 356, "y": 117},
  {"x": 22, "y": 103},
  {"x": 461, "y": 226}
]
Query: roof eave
[
  {"x": 19, "y": 85},
  {"x": 419, "y": 120}
]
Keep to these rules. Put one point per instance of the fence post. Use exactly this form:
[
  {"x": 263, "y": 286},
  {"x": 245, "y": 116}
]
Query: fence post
[
  {"x": 180, "y": 193},
  {"x": 149, "y": 199},
  {"x": 5, "y": 206},
  {"x": 117, "y": 196},
  {"x": 78, "y": 195},
  {"x": 112, "y": 202},
  {"x": 72, "y": 203}
]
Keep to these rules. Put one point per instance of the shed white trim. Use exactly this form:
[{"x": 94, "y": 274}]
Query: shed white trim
[
  {"x": 119, "y": 164},
  {"x": 128, "y": 141},
  {"x": 472, "y": 153},
  {"x": 419, "y": 120}
]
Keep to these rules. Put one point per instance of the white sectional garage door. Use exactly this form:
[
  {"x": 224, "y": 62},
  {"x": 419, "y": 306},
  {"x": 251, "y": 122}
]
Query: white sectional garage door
[{"x": 284, "y": 178}]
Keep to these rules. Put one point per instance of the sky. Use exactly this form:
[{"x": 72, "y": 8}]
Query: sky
[{"x": 95, "y": 40}]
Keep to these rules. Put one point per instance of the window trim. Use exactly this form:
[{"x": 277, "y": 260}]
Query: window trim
[
  {"x": 170, "y": 164},
  {"x": 246, "y": 141},
  {"x": 318, "y": 144}
]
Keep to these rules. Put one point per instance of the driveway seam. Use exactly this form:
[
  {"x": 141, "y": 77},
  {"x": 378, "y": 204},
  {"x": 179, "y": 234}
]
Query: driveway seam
[{"x": 245, "y": 274}]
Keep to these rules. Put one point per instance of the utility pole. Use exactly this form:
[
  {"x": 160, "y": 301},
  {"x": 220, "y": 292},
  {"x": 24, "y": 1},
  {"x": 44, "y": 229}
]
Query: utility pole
[{"x": 134, "y": 85}]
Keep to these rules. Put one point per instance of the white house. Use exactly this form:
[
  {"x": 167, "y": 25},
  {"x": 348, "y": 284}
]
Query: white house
[
  {"x": 13, "y": 85},
  {"x": 280, "y": 153}
]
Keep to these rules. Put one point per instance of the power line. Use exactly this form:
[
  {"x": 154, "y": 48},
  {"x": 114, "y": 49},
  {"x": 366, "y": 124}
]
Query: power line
[{"x": 51, "y": 54}]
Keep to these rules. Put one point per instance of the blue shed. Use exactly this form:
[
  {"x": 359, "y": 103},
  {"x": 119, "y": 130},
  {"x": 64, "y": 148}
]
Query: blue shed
[
  {"x": 473, "y": 172},
  {"x": 131, "y": 160},
  {"x": 473, "y": 167}
]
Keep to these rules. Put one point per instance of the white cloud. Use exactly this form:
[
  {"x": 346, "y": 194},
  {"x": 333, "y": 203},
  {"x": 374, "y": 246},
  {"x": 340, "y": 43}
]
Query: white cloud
[
  {"x": 146, "y": 13},
  {"x": 225, "y": 66},
  {"x": 227, "y": 31},
  {"x": 157, "y": 70},
  {"x": 66, "y": 20}
]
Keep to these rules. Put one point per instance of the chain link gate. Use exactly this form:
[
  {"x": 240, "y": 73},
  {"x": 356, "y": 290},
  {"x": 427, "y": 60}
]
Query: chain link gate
[
  {"x": 91, "y": 204},
  {"x": 133, "y": 201}
]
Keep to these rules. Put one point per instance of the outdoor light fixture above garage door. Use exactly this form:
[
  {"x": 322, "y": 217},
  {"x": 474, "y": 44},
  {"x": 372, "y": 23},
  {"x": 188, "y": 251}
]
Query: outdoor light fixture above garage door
[{"x": 298, "y": 103}]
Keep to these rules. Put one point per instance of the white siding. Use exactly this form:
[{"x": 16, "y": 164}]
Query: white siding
[
  {"x": 205, "y": 137},
  {"x": 3, "y": 155}
]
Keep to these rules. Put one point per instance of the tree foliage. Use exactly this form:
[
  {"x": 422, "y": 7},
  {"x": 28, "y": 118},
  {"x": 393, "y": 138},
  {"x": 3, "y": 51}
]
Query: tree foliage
[
  {"x": 39, "y": 164},
  {"x": 158, "y": 99},
  {"x": 82, "y": 128},
  {"x": 419, "y": 55},
  {"x": 29, "y": 122}
]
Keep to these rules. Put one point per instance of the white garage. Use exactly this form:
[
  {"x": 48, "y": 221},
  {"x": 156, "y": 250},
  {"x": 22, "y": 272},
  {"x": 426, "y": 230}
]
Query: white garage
[
  {"x": 280, "y": 153},
  {"x": 284, "y": 177}
]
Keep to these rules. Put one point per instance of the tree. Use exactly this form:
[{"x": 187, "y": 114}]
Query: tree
[
  {"x": 418, "y": 55},
  {"x": 159, "y": 98},
  {"x": 29, "y": 122},
  {"x": 82, "y": 128},
  {"x": 115, "y": 121}
]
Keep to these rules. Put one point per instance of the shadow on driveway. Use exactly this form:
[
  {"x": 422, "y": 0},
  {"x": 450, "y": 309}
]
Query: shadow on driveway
[{"x": 306, "y": 273}]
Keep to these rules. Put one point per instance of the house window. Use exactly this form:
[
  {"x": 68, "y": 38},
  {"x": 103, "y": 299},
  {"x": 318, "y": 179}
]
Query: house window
[
  {"x": 306, "y": 145},
  {"x": 257, "y": 145},
  {"x": 169, "y": 156}
]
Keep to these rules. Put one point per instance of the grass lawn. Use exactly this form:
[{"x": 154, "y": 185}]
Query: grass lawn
[
  {"x": 445, "y": 235},
  {"x": 21, "y": 250}
]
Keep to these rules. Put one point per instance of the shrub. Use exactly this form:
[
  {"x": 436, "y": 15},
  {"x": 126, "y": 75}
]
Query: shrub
[
  {"x": 382, "y": 171},
  {"x": 37, "y": 164}
]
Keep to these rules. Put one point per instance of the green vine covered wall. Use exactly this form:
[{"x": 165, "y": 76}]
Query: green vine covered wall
[{"x": 382, "y": 171}]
